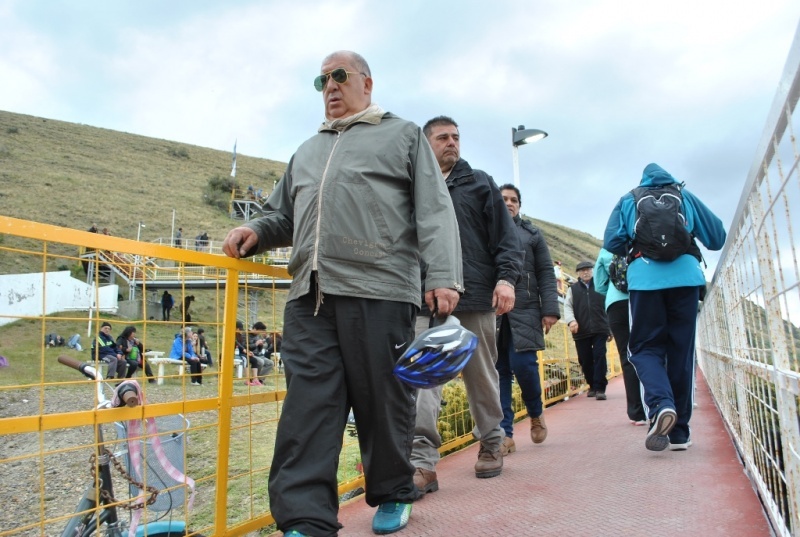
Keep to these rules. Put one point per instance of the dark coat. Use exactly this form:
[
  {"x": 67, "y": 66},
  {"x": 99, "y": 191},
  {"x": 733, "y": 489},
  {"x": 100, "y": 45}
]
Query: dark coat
[
  {"x": 536, "y": 292},
  {"x": 490, "y": 249},
  {"x": 104, "y": 346},
  {"x": 590, "y": 311}
]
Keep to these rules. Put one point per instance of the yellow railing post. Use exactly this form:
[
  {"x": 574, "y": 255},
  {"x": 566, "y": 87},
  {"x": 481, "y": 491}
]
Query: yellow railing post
[{"x": 226, "y": 367}]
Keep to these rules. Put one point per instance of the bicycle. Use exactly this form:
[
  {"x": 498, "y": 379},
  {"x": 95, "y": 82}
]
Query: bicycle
[{"x": 97, "y": 511}]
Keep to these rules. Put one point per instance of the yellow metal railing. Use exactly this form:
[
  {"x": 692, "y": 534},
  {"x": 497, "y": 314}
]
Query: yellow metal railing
[{"x": 48, "y": 413}]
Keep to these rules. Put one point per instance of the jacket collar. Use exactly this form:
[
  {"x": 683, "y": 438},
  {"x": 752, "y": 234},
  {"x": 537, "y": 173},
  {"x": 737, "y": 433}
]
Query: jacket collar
[
  {"x": 461, "y": 173},
  {"x": 372, "y": 114}
]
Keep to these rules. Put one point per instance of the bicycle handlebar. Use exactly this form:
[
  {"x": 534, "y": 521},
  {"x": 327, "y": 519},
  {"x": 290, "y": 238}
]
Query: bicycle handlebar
[
  {"x": 84, "y": 368},
  {"x": 128, "y": 395}
]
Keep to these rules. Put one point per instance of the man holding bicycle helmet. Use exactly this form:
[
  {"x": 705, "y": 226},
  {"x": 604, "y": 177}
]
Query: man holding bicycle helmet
[{"x": 492, "y": 264}]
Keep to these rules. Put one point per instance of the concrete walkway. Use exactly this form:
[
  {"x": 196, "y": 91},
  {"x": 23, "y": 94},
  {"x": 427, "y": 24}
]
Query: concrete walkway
[{"x": 591, "y": 477}]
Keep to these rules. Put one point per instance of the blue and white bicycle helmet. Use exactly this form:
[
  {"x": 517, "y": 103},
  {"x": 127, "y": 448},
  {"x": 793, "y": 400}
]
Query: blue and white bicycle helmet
[{"x": 437, "y": 355}]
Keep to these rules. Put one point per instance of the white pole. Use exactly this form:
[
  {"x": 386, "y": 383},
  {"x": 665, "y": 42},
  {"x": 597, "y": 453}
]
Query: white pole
[{"x": 515, "y": 156}]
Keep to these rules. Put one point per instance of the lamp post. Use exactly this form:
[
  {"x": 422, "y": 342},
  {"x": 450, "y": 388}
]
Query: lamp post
[
  {"x": 521, "y": 136},
  {"x": 136, "y": 258}
]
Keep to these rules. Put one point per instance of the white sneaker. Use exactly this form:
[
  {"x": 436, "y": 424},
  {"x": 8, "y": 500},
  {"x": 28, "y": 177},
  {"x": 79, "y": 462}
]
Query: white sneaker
[
  {"x": 196, "y": 384},
  {"x": 680, "y": 447}
]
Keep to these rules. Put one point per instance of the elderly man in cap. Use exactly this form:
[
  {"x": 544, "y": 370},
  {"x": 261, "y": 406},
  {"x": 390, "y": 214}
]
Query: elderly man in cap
[
  {"x": 585, "y": 315},
  {"x": 104, "y": 349}
]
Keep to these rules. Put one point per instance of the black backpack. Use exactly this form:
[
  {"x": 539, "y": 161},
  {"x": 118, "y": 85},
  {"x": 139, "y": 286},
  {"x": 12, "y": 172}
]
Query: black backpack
[
  {"x": 660, "y": 232},
  {"x": 618, "y": 272}
]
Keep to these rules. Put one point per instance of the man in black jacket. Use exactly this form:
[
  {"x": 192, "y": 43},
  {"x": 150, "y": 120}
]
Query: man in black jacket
[
  {"x": 585, "y": 315},
  {"x": 492, "y": 261},
  {"x": 104, "y": 349}
]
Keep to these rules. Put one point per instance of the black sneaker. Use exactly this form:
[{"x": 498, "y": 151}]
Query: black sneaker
[
  {"x": 657, "y": 439},
  {"x": 601, "y": 396},
  {"x": 591, "y": 393}
]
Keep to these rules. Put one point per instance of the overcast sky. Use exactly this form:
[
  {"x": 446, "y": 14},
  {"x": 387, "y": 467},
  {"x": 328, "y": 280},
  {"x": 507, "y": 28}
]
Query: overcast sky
[{"x": 617, "y": 84}]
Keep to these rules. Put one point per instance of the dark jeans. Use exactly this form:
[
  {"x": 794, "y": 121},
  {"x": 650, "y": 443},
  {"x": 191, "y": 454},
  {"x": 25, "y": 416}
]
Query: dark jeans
[
  {"x": 195, "y": 368},
  {"x": 618, "y": 320},
  {"x": 133, "y": 365},
  {"x": 592, "y": 357},
  {"x": 342, "y": 357},
  {"x": 663, "y": 325},
  {"x": 525, "y": 366}
]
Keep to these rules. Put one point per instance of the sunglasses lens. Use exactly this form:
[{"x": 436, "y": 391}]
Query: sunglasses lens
[
  {"x": 320, "y": 81},
  {"x": 339, "y": 76}
]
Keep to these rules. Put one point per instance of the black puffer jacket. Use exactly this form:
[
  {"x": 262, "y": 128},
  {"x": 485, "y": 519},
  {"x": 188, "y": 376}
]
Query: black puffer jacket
[
  {"x": 536, "y": 293},
  {"x": 490, "y": 249}
]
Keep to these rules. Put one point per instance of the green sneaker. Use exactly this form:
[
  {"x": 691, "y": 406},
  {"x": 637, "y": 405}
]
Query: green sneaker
[
  {"x": 391, "y": 517},
  {"x": 294, "y": 533}
]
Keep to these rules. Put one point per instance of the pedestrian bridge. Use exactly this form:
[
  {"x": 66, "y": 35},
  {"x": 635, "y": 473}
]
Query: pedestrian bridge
[{"x": 592, "y": 476}]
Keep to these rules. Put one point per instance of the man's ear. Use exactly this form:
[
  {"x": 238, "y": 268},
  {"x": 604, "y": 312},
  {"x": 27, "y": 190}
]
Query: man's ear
[{"x": 368, "y": 85}]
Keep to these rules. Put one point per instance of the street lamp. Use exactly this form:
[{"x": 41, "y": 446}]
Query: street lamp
[
  {"x": 521, "y": 136},
  {"x": 136, "y": 258}
]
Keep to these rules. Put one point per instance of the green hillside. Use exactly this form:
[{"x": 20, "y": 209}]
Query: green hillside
[{"x": 73, "y": 175}]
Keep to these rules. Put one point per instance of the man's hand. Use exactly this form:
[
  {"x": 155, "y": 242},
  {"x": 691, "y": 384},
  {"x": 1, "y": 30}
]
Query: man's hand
[
  {"x": 573, "y": 327},
  {"x": 239, "y": 241},
  {"x": 446, "y": 300},
  {"x": 548, "y": 321},
  {"x": 503, "y": 299}
]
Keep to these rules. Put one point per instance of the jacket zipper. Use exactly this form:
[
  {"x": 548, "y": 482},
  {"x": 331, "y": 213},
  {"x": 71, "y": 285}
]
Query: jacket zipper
[{"x": 319, "y": 204}]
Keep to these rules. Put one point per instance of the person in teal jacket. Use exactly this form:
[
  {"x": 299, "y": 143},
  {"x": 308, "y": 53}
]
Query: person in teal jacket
[
  {"x": 618, "y": 321},
  {"x": 663, "y": 307}
]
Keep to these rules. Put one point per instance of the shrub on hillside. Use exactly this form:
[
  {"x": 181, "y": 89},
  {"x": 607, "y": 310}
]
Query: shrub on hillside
[
  {"x": 218, "y": 192},
  {"x": 179, "y": 152},
  {"x": 223, "y": 183}
]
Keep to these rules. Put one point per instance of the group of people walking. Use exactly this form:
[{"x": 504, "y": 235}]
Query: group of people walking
[{"x": 385, "y": 218}]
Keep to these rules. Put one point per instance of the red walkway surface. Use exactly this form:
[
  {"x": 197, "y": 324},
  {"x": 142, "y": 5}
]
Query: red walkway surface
[{"x": 591, "y": 477}]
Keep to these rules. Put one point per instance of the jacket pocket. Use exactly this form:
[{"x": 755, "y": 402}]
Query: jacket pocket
[{"x": 359, "y": 233}]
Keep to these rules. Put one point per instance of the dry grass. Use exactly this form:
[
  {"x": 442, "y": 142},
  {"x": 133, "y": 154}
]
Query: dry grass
[{"x": 72, "y": 175}]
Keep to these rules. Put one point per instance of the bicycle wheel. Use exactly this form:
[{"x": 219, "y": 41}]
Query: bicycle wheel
[{"x": 86, "y": 524}]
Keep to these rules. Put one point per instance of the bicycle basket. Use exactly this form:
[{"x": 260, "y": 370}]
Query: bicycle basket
[{"x": 172, "y": 441}]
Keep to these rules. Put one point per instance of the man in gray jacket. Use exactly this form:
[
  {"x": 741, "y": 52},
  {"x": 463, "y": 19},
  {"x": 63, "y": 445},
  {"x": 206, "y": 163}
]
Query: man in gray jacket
[{"x": 360, "y": 202}]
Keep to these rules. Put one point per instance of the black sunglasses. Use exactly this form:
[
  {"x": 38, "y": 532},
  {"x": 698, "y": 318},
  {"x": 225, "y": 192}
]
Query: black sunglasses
[{"x": 338, "y": 75}]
